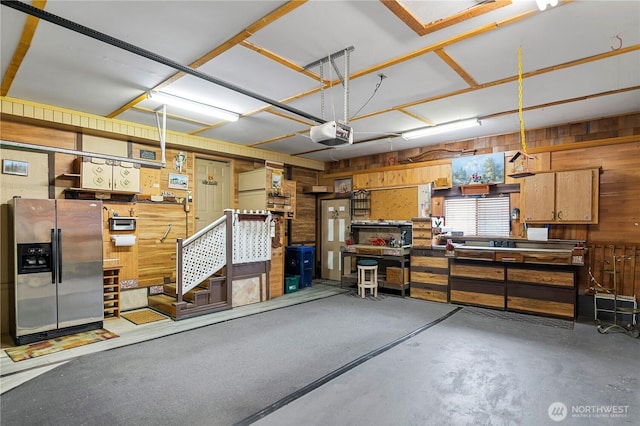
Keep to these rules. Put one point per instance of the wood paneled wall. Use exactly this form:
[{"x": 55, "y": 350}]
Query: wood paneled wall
[
  {"x": 303, "y": 228},
  {"x": 612, "y": 144},
  {"x": 157, "y": 255},
  {"x": 600, "y": 257}
]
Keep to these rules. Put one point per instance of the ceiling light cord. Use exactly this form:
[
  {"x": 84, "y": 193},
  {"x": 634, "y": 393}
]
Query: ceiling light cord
[
  {"x": 382, "y": 77},
  {"x": 523, "y": 141}
]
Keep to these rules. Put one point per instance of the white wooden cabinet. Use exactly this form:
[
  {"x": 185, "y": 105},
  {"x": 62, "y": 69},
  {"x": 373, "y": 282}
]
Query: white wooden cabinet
[
  {"x": 256, "y": 191},
  {"x": 109, "y": 175}
]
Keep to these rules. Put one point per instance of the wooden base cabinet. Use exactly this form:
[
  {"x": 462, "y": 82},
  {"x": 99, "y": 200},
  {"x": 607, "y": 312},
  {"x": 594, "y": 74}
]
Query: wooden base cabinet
[
  {"x": 477, "y": 283},
  {"x": 547, "y": 291},
  {"x": 429, "y": 275}
]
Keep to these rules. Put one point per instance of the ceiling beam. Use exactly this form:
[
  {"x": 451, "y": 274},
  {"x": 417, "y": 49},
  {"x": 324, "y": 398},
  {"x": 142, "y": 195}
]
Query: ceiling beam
[
  {"x": 421, "y": 29},
  {"x": 231, "y": 42},
  {"x": 23, "y": 46},
  {"x": 89, "y": 32},
  {"x": 505, "y": 80}
]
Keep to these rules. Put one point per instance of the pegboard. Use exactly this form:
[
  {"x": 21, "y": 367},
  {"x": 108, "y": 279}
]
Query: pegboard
[{"x": 394, "y": 204}]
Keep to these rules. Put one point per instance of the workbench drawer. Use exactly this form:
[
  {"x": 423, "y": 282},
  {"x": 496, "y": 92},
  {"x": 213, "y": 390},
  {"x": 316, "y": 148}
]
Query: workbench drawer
[
  {"x": 541, "y": 277},
  {"x": 477, "y": 271}
]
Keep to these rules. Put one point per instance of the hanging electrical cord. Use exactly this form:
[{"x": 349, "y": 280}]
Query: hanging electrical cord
[
  {"x": 382, "y": 77},
  {"x": 523, "y": 142},
  {"x": 321, "y": 90}
]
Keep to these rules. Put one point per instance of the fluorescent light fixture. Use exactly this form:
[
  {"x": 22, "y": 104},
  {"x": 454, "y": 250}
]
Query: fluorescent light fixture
[
  {"x": 441, "y": 128},
  {"x": 542, "y": 4},
  {"x": 189, "y": 105}
]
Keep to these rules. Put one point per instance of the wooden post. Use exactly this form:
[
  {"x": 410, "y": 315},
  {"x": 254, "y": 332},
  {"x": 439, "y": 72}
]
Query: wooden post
[
  {"x": 229, "y": 255},
  {"x": 179, "y": 270}
]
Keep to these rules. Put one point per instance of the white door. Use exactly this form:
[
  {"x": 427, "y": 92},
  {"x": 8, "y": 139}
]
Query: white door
[
  {"x": 336, "y": 222},
  {"x": 213, "y": 191}
]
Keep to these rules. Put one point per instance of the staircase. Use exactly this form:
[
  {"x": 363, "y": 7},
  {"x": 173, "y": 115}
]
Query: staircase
[
  {"x": 207, "y": 260},
  {"x": 209, "y": 296}
]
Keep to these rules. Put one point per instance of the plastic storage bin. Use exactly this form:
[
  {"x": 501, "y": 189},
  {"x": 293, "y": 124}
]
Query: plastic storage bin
[
  {"x": 299, "y": 260},
  {"x": 291, "y": 283}
]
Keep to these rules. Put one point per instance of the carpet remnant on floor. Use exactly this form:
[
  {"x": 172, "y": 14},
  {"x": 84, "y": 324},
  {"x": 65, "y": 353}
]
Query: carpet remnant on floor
[
  {"x": 143, "y": 317},
  {"x": 46, "y": 347}
]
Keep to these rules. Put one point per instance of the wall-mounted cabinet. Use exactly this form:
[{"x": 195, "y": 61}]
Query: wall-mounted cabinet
[
  {"x": 260, "y": 190},
  {"x": 401, "y": 177},
  {"x": 562, "y": 197},
  {"x": 109, "y": 175}
]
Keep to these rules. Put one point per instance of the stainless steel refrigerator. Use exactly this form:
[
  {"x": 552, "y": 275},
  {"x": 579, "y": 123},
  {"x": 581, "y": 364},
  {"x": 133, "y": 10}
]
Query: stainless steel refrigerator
[{"x": 58, "y": 267}]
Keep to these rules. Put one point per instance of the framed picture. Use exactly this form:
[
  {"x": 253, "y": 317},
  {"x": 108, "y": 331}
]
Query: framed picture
[
  {"x": 488, "y": 168},
  {"x": 276, "y": 179},
  {"x": 13, "y": 167},
  {"x": 342, "y": 188},
  {"x": 177, "y": 181}
]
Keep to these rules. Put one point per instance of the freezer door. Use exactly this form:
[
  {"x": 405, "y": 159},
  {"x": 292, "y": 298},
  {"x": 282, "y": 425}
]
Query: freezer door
[
  {"x": 80, "y": 290},
  {"x": 35, "y": 294}
]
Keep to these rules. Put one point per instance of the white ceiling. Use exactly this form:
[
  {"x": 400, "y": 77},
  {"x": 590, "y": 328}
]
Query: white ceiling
[{"x": 580, "y": 60}]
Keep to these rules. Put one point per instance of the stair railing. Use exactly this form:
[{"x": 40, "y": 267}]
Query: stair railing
[{"x": 208, "y": 250}]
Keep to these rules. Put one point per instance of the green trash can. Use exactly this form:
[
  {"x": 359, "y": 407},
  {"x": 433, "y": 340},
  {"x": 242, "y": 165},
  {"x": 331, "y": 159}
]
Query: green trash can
[{"x": 291, "y": 283}]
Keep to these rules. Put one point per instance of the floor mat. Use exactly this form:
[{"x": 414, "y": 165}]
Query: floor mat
[
  {"x": 143, "y": 317},
  {"x": 46, "y": 347}
]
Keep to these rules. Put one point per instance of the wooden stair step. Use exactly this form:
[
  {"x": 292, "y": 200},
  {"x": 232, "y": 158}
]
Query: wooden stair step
[
  {"x": 163, "y": 303},
  {"x": 171, "y": 288},
  {"x": 198, "y": 295}
]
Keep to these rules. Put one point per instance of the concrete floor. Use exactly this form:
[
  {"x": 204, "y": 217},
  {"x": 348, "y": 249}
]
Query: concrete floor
[
  {"x": 476, "y": 369},
  {"x": 418, "y": 363},
  {"x": 13, "y": 374}
]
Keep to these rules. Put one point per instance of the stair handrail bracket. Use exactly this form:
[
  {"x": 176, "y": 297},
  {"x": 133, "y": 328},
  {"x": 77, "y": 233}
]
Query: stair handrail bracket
[{"x": 206, "y": 252}]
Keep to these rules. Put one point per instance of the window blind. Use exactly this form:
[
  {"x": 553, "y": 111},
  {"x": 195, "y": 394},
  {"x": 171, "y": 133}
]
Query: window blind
[{"x": 478, "y": 216}]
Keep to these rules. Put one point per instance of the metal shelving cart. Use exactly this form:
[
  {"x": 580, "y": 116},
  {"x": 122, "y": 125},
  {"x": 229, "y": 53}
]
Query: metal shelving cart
[{"x": 608, "y": 299}]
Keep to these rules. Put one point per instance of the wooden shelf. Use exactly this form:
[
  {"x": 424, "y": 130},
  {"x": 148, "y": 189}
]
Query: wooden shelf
[
  {"x": 95, "y": 194},
  {"x": 479, "y": 189},
  {"x": 69, "y": 176},
  {"x": 316, "y": 190},
  {"x": 111, "y": 290}
]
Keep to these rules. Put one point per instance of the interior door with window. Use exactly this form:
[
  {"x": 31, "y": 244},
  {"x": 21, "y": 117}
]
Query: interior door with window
[
  {"x": 336, "y": 222},
  {"x": 213, "y": 190}
]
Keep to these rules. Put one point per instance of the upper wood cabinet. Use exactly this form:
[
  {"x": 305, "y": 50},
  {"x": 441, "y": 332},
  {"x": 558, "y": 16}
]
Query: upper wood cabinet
[
  {"x": 262, "y": 189},
  {"x": 401, "y": 177},
  {"x": 562, "y": 197},
  {"x": 109, "y": 175}
]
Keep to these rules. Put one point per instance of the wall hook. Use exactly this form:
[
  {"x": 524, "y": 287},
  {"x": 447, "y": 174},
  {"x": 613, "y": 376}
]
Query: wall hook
[{"x": 619, "y": 43}]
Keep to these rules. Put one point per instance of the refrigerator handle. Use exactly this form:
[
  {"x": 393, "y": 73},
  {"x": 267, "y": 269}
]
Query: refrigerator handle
[
  {"x": 54, "y": 256},
  {"x": 59, "y": 255}
]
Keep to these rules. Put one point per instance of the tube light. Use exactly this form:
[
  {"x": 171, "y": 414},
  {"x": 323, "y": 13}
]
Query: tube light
[
  {"x": 441, "y": 128},
  {"x": 188, "y": 104}
]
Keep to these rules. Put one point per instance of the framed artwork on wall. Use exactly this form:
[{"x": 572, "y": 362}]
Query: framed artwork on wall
[
  {"x": 13, "y": 167},
  {"x": 177, "y": 181},
  {"x": 487, "y": 169},
  {"x": 342, "y": 188}
]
